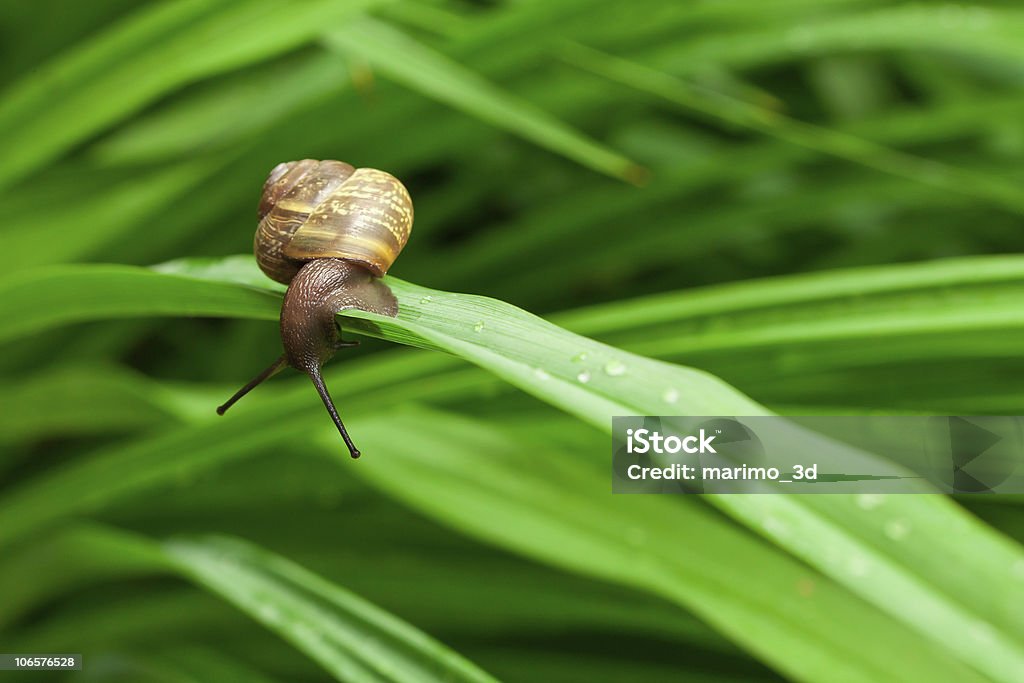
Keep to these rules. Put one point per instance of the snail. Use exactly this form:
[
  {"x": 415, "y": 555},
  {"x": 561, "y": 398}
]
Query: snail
[{"x": 328, "y": 231}]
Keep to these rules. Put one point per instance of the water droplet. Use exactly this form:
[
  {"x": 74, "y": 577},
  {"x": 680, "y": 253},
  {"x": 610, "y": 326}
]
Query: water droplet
[
  {"x": 583, "y": 377},
  {"x": 269, "y": 613},
  {"x": 857, "y": 565},
  {"x": 579, "y": 357},
  {"x": 614, "y": 368},
  {"x": 981, "y": 631},
  {"x": 479, "y": 327},
  {"x": 869, "y": 501},
  {"x": 426, "y": 299},
  {"x": 541, "y": 374},
  {"x": 897, "y": 529},
  {"x": 670, "y": 396},
  {"x": 775, "y": 526}
]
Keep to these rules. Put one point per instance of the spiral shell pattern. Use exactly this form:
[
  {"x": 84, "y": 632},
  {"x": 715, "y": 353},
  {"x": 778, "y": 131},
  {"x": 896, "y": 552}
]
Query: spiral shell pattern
[{"x": 328, "y": 209}]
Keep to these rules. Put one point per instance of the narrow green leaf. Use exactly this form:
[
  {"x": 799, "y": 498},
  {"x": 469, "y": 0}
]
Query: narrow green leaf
[
  {"x": 226, "y": 112},
  {"x": 152, "y": 53},
  {"x": 520, "y": 493},
  {"x": 80, "y": 400},
  {"x": 826, "y": 140},
  {"x": 70, "y": 559},
  {"x": 37, "y": 299},
  {"x": 351, "y": 638},
  {"x": 594, "y": 382},
  {"x": 91, "y": 483},
  {"x": 35, "y": 237},
  {"x": 416, "y": 66}
]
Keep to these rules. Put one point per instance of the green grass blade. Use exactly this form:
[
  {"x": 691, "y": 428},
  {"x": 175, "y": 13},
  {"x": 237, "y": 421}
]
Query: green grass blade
[
  {"x": 162, "y": 48},
  {"x": 354, "y": 640},
  {"x": 80, "y": 400},
  {"x": 98, "y": 480},
  {"x": 44, "y": 297},
  {"x": 416, "y": 66},
  {"x": 70, "y": 559},
  {"x": 111, "y": 213},
  {"x": 772, "y": 123},
  {"x": 594, "y": 382},
  {"x": 554, "y": 506},
  {"x": 226, "y": 112}
]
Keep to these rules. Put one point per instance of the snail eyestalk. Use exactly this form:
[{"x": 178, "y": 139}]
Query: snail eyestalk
[
  {"x": 274, "y": 368},
  {"x": 310, "y": 330},
  {"x": 325, "y": 396}
]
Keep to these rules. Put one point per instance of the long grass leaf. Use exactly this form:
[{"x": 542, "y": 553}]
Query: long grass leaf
[
  {"x": 164, "y": 47},
  {"x": 351, "y": 638},
  {"x": 431, "y": 73}
]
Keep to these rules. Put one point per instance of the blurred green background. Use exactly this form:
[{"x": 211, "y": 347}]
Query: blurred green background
[{"x": 640, "y": 172}]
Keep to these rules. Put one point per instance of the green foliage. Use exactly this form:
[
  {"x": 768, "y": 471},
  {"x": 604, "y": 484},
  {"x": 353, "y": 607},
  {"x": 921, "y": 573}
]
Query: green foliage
[{"x": 820, "y": 204}]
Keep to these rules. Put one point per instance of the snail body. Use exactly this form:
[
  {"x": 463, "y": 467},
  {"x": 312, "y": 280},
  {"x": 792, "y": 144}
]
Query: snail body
[{"x": 328, "y": 231}]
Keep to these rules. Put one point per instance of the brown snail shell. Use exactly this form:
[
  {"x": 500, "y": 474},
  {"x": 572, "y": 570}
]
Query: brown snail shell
[{"x": 328, "y": 209}]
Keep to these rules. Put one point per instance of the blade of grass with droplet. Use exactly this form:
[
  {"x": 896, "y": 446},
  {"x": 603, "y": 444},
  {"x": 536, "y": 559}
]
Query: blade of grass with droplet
[
  {"x": 547, "y": 362},
  {"x": 351, "y": 638},
  {"x": 515, "y": 491}
]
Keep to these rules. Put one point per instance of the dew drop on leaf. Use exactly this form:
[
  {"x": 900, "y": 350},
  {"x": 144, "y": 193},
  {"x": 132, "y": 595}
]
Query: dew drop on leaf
[
  {"x": 897, "y": 529},
  {"x": 775, "y": 526},
  {"x": 869, "y": 501},
  {"x": 857, "y": 565},
  {"x": 614, "y": 368},
  {"x": 269, "y": 613}
]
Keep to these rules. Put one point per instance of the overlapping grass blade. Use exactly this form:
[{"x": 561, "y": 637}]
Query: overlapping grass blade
[
  {"x": 737, "y": 112},
  {"x": 348, "y": 636},
  {"x": 434, "y": 75},
  {"x": 552, "y": 505},
  {"x": 351, "y": 638},
  {"x": 548, "y": 362},
  {"x": 156, "y": 51}
]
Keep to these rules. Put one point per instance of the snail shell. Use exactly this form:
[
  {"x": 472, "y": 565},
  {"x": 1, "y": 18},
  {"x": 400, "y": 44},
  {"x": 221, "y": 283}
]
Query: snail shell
[{"x": 328, "y": 209}]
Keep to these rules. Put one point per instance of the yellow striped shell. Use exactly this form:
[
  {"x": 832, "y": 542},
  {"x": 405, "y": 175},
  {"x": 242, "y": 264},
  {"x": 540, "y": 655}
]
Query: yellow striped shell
[{"x": 328, "y": 209}]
